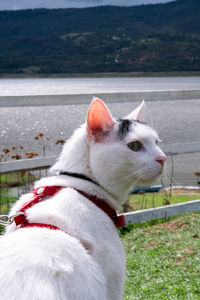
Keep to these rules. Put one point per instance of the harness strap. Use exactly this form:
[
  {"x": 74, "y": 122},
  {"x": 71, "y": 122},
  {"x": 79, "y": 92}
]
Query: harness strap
[
  {"x": 119, "y": 221},
  {"x": 46, "y": 191},
  {"x": 41, "y": 225},
  {"x": 39, "y": 194}
]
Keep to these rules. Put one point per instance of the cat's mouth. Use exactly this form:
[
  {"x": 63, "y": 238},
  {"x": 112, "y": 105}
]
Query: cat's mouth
[
  {"x": 155, "y": 175},
  {"x": 160, "y": 172}
]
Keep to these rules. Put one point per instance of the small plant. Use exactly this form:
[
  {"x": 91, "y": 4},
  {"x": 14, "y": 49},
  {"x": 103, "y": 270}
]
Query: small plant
[
  {"x": 197, "y": 174},
  {"x": 5, "y": 154},
  {"x": 60, "y": 142},
  {"x": 18, "y": 152},
  {"x": 43, "y": 141},
  {"x": 31, "y": 155}
]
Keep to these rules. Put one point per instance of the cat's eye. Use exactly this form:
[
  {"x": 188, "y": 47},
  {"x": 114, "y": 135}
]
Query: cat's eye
[{"x": 135, "y": 146}]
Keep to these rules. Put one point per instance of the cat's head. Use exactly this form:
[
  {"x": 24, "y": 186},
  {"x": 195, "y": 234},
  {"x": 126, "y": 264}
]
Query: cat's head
[{"x": 122, "y": 153}]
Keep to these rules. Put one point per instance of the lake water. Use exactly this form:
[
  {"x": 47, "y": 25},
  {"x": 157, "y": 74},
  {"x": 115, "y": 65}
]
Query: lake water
[
  {"x": 60, "y": 86},
  {"x": 175, "y": 121}
]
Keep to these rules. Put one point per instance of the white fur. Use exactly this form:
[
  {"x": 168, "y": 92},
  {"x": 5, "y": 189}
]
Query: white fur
[
  {"x": 86, "y": 260},
  {"x": 137, "y": 114}
]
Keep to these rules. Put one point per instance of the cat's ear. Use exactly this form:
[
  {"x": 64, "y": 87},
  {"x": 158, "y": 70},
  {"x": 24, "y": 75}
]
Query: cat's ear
[
  {"x": 99, "y": 119},
  {"x": 138, "y": 113}
]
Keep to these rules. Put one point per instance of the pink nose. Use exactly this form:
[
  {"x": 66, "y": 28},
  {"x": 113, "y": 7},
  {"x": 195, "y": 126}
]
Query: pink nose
[{"x": 161, "y": 160}]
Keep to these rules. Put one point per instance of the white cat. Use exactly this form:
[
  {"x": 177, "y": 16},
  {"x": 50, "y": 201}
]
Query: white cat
[{"x": 81, "y": 256}]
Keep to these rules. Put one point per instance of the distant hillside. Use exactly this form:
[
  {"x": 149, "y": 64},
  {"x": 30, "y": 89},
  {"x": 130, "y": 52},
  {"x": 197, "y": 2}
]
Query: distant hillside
[{"x": 162, "y": 37}]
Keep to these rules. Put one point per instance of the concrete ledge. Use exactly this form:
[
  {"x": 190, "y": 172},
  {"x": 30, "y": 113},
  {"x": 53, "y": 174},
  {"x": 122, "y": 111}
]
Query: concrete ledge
[
  {"x": 175, "y": 149},
  {"x": 27, "y": 164},
  {"x": 161, "y": 212},
  {"x": 121, "y": 97}
]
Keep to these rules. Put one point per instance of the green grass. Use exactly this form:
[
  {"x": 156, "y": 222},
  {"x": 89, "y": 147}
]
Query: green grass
[
  {"x": 163, "y": 260},
  {"x": 17, "y": 178},
  {"x": 12, "y": 180},
  {"x": 6, "y": 200},
  {"x": 149, "y": 200}
]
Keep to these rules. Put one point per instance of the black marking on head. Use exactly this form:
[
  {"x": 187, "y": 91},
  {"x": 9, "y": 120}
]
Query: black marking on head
[{"x": 123, "y": 128}]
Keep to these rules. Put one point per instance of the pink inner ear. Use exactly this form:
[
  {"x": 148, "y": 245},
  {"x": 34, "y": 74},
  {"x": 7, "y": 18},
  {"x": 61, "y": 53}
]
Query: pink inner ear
[{"x": 99, "y": 118}]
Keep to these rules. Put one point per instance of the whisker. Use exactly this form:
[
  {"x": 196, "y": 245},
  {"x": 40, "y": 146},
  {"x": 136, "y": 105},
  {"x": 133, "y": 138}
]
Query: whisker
[{"x": 170, "y": 178}]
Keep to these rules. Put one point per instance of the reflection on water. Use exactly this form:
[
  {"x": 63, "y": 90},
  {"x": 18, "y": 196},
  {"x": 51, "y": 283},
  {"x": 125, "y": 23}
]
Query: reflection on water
[{"x": 60, "y": 86}]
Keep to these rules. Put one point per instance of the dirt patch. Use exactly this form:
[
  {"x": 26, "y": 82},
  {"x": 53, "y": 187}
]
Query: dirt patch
[
  {"x": 183, "y": 253},
  {"x": 151, "y": 245},
  {"x": 179, "y": 259},
  {"x": 188, "y": 251},
  {"x": 190, "y": 192},
  {"x": 173, "y": 225},
  {"x": 172, "y": 243}
]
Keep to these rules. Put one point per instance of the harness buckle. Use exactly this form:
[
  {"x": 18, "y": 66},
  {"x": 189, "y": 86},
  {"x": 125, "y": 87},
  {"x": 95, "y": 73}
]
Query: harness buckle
[{"x": 6, "y": 220}]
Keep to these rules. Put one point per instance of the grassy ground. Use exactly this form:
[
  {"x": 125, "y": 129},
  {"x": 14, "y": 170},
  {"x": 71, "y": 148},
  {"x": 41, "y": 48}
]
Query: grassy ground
[
  {"x": 16, "y": 179},
  {"x": 149, "y": 200},
  {"x": 9, "y": 181},
  {"x": 6, "y": 200},
  {"x": 5, "y": 203},
  {"x": 163, "y": 260}
]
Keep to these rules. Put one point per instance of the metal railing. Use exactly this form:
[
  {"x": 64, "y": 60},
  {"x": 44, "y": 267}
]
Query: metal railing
[
  {"x": 46, "y": 162},
  {"x": 29, "y": 170}
]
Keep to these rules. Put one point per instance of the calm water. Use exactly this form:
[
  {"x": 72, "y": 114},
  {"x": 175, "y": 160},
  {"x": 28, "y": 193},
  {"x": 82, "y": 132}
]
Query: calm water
[
  {"x": 59, "y": 86},
  {"x": 175, "y": 121}
]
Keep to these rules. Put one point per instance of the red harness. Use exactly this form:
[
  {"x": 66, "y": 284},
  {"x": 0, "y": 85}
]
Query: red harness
[{"x": 46, "y": 191}]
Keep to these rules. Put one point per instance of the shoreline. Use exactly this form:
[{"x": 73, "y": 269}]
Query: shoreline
[{"x": 103, "y": 75}]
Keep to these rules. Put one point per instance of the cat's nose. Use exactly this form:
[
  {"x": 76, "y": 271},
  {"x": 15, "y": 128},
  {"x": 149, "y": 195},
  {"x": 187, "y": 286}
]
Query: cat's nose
[{"x": 161, "y": 159}]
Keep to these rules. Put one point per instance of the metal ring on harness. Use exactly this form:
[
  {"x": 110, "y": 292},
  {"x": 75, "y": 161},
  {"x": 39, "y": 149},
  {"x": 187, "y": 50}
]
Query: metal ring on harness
[{"x": 9, "y": 220}]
